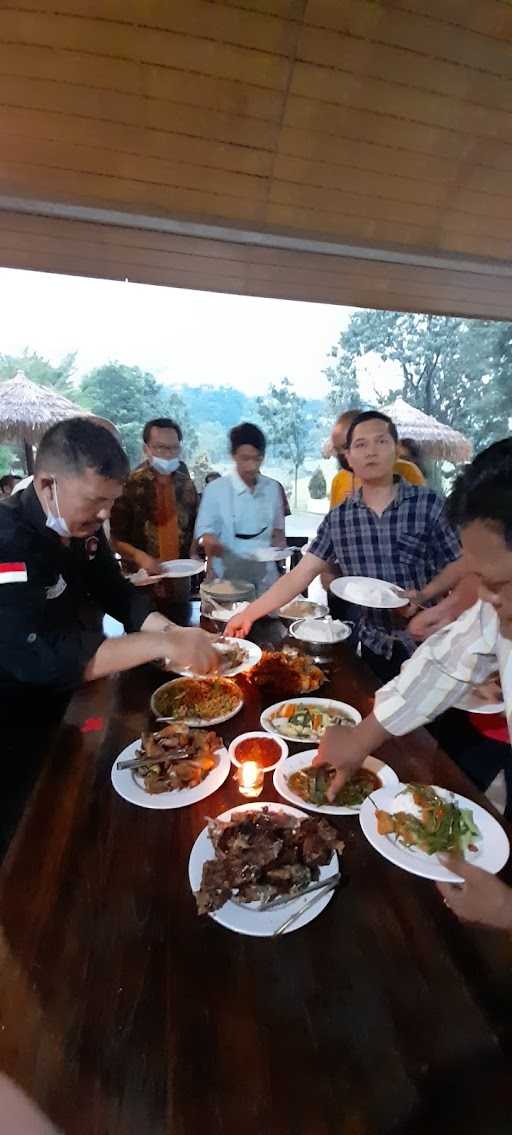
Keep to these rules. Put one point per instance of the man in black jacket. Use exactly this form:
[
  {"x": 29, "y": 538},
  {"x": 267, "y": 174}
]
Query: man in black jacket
[{"x": 56, "y": 571}]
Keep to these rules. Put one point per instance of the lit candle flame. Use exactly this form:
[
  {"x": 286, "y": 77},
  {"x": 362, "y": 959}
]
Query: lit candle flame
[
  {"x": 250, "y": 779},
  {"x": 249, "y": 773}
]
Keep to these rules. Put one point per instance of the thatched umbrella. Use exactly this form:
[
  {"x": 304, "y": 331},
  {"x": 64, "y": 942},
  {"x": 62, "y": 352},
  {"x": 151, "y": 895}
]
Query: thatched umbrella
[
  {"x": 27, "y": 410},
  {"x": 436, "y": 440}
]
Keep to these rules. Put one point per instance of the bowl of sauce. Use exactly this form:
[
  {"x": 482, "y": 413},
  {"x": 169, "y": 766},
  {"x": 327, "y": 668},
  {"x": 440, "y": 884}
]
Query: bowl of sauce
[{"x": 259, "y": 747}]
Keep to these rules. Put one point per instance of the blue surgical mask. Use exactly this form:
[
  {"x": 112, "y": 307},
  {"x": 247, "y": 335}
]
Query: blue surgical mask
[
  {"x": 165, "y": 465},
  {"x": 56, "y": 522}
]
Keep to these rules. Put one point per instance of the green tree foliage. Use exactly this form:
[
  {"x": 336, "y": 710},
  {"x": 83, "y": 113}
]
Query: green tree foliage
[
  {"x": 213, "y": 440},
  {"x": 219, "y": 404},
  {"x": 284, "y": 419},
  {"x": 317, "y": 486},
  {"x": 200, "y": 468},
  {"x": 456, "y": 370},
  {"x": 344, "y": 391},
  {"x": 40, "y": 370},
  {"x": 129, "y": 397}
]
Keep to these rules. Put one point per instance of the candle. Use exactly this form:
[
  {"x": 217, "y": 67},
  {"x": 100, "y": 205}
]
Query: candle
[{"x": 250, "y": 779}]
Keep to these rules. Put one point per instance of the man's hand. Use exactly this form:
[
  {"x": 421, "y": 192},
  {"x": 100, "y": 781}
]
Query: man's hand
[
  {"x": 345, "y": 749},
  {"x": 148, "y": 563},
  {"x": 155, "y": 621},
  {"x": 481, "y": 898},
  {"x": 212, "y": 545},
  {"x": 240, "y": 625},
  {"x": 335, "y": 749},
  {"x": 425, "y": 623},
  {"x": 278, "y": 538},
  {"x": 490, "y": 691},
  {"x": 190, "y": 648}
]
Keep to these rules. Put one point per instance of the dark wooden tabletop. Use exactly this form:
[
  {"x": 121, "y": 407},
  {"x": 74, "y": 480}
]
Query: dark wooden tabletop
[{"x": 124, "y": 1013}]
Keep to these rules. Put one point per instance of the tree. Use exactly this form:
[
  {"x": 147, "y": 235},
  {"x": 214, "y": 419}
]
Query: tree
[
  {"x": 129, "y": 397},
  {"x": 200, "y": 468},
  {"x": 317, "y": 486},
  {"x": 450, "y": 368},
  {"x": 344, "y": 391},
  {"x": 283, "y": 415},
  {"x": 40, "y": 370},
  {"x": 213, "y": 440}
]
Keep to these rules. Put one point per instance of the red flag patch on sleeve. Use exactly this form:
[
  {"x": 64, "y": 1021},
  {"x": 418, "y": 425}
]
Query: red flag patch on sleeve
[{"x": 13, "y": 573}]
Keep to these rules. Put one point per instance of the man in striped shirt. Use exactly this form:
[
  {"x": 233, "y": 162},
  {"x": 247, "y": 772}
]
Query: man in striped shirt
[{"x": 445, "y": 668}]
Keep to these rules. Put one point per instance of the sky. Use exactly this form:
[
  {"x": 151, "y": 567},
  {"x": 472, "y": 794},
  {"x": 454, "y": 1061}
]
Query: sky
[{"x": 183, "y": 337}]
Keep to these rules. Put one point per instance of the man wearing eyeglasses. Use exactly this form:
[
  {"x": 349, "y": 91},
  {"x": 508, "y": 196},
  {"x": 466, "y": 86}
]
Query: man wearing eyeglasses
[{"x": 154, "y": 519}]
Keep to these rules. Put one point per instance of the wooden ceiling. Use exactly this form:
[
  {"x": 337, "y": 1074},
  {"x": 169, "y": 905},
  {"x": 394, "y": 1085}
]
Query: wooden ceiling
[{"x": 348, "y": 151}]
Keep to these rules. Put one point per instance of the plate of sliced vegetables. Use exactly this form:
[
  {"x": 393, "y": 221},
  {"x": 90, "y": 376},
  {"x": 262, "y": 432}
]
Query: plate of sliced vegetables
[
  {"x": 411, "y": 824},
  {"x": 296, "y": 779},
  {"x": 306, "y": 719}
]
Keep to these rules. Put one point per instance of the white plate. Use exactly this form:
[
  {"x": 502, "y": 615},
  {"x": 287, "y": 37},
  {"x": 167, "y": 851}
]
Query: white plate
[
  {"x": 271, "y": 555},
  {"x": 301, "y": 760},
  {"x": 252, "y": 651},
  {"x": 127, "y": 785},
  {"x": 474, "y": 705},
  {"x": 194, "y": 721},
  {"x": 304, "y": 629},
  {"x": 358, "y": 588},
  {"x": 178, "y": 569},
  {"x": 322, "y": 703},
  {"x": 172, "y": 569},
  {"x": 257, "y": 923},
  {"x": 316, "y": 610},
  {"x": 222, "y": 614},
  {"x": 493, "y": 846}
]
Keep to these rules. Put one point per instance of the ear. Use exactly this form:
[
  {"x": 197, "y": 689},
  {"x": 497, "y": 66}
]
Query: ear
[{"x": 45, "y": 482}]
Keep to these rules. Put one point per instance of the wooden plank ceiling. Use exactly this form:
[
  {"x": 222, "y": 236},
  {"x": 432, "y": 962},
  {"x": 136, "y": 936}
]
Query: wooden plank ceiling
[{"x": 348, "y": 151}]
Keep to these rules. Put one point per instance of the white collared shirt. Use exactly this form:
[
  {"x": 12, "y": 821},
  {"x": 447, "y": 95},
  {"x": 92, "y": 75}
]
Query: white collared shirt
[
  {"x": 444, "y": 669},
  {"x": 229, "y": 507}
]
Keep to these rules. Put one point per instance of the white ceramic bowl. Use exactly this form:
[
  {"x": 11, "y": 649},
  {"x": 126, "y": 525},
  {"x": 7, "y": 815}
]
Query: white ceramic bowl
[{"x": 258, "y": 733}]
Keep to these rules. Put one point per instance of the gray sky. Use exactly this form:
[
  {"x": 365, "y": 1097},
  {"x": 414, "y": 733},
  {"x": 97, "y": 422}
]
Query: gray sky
[{"x": 181, "y": 336}]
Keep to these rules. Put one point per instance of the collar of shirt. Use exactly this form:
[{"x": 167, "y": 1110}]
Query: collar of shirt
[
  {"x": 405, "y": 490},
  {"x": 33, "y": 511},
  {"x": 241, "y": 487}
]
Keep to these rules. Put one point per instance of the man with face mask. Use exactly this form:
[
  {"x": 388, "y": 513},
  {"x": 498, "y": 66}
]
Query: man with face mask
[
  {"x": 56, "y": 565},
  {"x": 154, "y": 519},
  {"x": 56, "y": 570}
]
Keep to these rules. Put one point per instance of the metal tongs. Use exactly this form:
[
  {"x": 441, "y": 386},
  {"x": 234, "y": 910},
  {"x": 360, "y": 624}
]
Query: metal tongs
[{"x": 141, "y": 761}]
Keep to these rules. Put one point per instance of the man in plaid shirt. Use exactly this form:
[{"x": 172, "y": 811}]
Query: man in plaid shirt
[{"x": 387, "y": 529}]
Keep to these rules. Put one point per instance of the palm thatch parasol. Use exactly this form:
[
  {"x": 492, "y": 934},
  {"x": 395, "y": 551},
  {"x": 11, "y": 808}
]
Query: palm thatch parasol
[
  {"x": 436, "y": 440},
  {"x": 27, "y": 410}
]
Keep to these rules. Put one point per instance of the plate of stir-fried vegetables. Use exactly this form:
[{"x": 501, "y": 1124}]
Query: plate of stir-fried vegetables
[
  {"x": 296, "y": 779},
  {"x": 411, "y": 824},
  {"x": 306, "y": 719},
  {"x": 171, "y": 768}
]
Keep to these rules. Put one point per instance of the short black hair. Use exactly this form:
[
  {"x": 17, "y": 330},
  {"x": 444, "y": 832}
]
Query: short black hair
[
  {"x": 77, "y": 444},
  {"x": 247, "y": 434},
  {"x": 161, "y": 424},
  {"x": 483, "y": 491},
  {"x": 412, "y": 446},
  {"x": 9, "y": 479},
  {"x": 370, "y": 416}
]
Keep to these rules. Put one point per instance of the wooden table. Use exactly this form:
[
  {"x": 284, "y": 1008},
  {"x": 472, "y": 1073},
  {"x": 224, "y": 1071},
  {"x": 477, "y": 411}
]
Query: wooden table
[{"x": 123, "y": 1013}]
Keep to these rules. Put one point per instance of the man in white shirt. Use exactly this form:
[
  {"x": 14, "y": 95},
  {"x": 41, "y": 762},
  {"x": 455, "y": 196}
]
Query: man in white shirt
[
  {"x": 241, "y": 513},
  {"x": 445, "y": 668}
]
